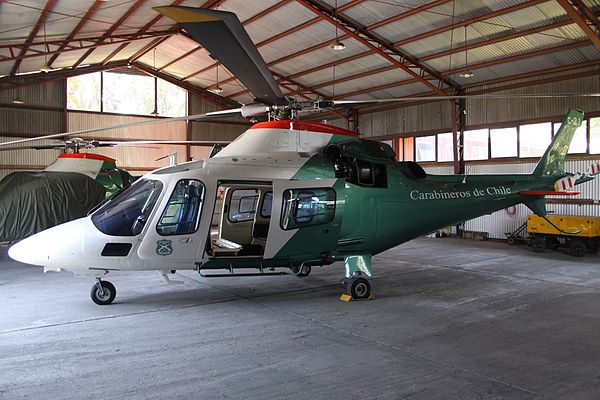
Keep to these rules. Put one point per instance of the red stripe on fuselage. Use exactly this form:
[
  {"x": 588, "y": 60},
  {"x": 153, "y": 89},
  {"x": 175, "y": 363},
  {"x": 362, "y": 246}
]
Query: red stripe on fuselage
[{"x": 304, "y": 126}]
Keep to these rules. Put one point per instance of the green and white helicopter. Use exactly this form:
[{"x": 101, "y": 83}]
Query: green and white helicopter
[{"x": 285, "y": 195}]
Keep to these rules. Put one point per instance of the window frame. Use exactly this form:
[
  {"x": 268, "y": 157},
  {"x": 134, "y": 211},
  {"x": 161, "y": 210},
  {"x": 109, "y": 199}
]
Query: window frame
[{"x": 305, "y": 224}]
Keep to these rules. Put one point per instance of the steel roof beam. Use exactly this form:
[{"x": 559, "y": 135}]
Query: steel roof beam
[
  {"x": 77, "y": 28},
  {"x": 584, "y": 18},
  {"x": 65, "y": 45},
  {"x": 110, "y": 30},
  {"x": 142, "y": 30},
  {"x": 486, "y": 64},
  {"x": 470, "y": 21},
  {"x": 403, "y": 61},
  {"x": 32, "y": 35},
  {"x": 480, "y": 18},
  {"x": 433, "y": 56}
]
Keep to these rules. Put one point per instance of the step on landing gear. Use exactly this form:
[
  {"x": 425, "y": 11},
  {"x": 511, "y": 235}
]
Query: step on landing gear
[{"x": 103, "y": 292}]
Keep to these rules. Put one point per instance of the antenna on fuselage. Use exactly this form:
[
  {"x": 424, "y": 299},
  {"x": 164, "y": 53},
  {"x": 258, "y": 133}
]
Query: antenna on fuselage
[
  {"x": 172, "y": 159},
  {"x": 466, "y": 173}
]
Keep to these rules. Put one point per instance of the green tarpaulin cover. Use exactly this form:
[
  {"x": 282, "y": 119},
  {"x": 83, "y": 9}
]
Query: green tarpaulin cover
[{"x": 33, "y": 201}]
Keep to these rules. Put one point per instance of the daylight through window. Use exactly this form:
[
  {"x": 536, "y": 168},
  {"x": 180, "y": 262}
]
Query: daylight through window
[{"x": 125, "y": 93}]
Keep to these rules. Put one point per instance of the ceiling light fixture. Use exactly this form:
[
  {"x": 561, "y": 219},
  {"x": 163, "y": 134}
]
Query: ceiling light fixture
[
  {"x": 337, "y": 45},
  {"x": 217, "y": 89},
  {"x": 466, "y": 73}
]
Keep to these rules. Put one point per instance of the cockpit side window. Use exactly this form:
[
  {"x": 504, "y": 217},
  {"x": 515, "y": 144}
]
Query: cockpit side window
[
  {"x": 127, "y": 212},
  {"x": 181, "y": 215}
]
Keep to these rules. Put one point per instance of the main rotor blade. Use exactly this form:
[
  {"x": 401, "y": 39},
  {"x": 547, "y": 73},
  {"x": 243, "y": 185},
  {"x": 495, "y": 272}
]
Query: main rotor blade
[
  {"x": 222, "y": 34},
  {"x": 213, "y": 114},
  {"x": 472, "y": 97}
]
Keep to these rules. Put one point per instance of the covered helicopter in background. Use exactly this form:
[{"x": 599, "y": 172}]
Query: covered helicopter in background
[
  {"x": 65, "y": 190},
  {"x": 286, "y": 195}
]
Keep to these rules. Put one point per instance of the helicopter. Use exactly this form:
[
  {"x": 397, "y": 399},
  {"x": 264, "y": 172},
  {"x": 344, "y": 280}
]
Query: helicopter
[
  {"x": 65, "y": 190},
  {"x": 285, "y": 196}
]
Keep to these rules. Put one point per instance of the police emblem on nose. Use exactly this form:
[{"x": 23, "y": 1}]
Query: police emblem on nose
[{"x": 164, "y": 247}]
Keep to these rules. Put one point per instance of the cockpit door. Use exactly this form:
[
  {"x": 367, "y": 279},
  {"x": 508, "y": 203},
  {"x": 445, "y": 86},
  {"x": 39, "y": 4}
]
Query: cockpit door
[
  {"x": 305, "y": 219},
  {"x": 175, "y": 237}
]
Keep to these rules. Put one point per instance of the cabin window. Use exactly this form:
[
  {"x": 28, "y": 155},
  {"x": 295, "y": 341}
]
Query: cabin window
[
  {"x": 307, "y": 207},
  {"x": 126, "y": 213},
  {"x": 265, "y": 209},
  {"x": 181, "y": 215},
  {"x": 242, "y": 206}
]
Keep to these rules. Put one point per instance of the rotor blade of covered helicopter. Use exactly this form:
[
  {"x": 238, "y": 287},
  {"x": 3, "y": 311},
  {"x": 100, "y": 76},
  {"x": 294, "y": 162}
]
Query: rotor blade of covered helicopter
[
  {"x": 174, "y": 142},
  {"x": 209, "y": 115}
]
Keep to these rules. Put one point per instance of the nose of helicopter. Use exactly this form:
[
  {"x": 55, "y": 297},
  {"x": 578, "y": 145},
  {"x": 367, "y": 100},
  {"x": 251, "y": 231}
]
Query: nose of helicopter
[{"x": 53, "y": 248}]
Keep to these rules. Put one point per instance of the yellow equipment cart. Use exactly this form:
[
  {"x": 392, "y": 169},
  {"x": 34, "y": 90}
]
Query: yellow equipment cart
[{"x": 580, "y": 234}]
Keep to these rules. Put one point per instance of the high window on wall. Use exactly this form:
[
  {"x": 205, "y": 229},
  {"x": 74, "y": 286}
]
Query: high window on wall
[
  {"x": 425, "y": 148},
  {"x": 476, "y": 144},
  {"x": 445, "y": 149},
  {"x": 534, "y": 139},
  {"x": 524, "y": 141},
  {"x": 595, "y": 135},
  {"x": 125, "y": 93},
  {"x": 503, "y": 142}
]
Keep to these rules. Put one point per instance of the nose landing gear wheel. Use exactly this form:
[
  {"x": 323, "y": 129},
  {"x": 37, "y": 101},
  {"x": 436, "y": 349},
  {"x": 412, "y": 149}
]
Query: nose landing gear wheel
[
  {"x": 103, "y": 295},
  {"x": 358, "y": 287}
]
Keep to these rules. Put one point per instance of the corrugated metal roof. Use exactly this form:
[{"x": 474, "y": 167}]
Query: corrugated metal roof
[{"x": 18, "y": 19}]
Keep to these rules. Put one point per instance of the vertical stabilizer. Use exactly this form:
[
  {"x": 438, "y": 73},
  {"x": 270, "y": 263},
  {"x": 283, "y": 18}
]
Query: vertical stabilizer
[{"x": 552, "y": 162}]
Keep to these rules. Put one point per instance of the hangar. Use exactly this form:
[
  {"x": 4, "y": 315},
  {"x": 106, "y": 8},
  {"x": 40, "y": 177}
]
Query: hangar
[{"x": 469, "y": 89}]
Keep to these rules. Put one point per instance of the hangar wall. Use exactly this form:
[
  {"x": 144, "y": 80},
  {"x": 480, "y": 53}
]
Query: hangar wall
[
  {"x": 436, "y": 117},
  {"x": 44, "y": 112}
]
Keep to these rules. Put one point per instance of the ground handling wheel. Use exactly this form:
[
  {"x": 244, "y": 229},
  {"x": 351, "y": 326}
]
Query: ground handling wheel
[
  {"x": 538, "y": 244},
  {"x": 577, "y": 248},
  {"x": 103, "y": 295},
  {"x": 358, "y": 287}
]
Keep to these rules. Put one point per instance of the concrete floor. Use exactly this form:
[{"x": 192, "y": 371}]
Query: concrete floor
[{"x": 453, "y": 319}]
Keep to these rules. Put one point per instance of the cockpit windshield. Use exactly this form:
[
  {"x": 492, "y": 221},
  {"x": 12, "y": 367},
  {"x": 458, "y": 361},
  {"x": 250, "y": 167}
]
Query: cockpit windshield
[{"x": 127, "y": 212}]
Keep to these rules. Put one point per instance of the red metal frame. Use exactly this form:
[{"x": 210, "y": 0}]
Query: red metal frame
[
  {"x": 32, "y": 35},
  {"x": 110, "y": 30},
  {"x": 76, "y": 30},
  {"x": 584, "y": 18}
]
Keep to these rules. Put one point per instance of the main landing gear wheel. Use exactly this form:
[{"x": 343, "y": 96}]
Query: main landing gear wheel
[
  {"x": 103, "y": 293},
  {"x": 302, "y": 271},
  {"x": 358, "y": 287}
]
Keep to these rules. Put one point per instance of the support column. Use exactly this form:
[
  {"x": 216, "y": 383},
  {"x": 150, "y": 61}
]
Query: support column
[{"x": 458, "y": 129}]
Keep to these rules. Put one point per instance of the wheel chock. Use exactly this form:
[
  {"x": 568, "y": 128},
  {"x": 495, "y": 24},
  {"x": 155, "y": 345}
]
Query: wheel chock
[{"x": 347, "y": 298}]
